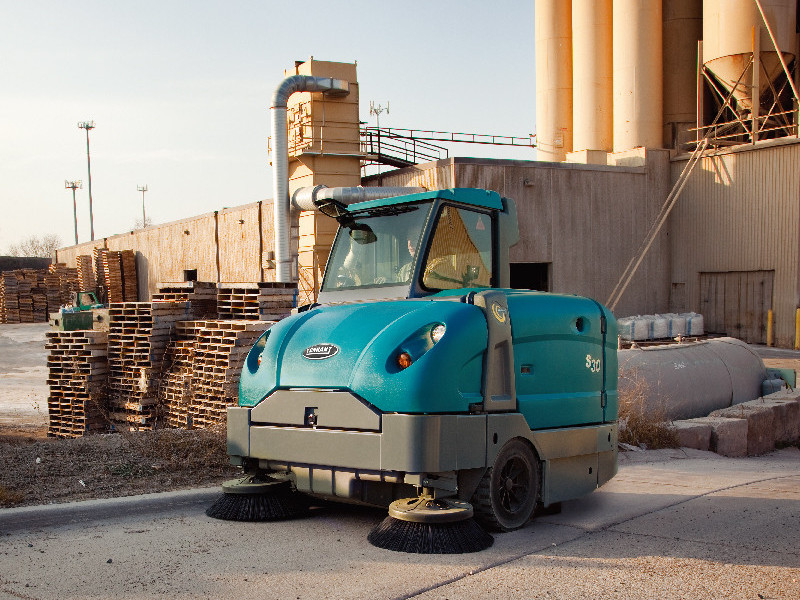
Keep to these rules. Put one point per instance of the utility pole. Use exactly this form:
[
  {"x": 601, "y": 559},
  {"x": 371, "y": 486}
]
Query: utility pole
[
  {"x": 143, "y": 189},
  {"x": 89, "y": 125},
  {"x": 73, "y": 185}
]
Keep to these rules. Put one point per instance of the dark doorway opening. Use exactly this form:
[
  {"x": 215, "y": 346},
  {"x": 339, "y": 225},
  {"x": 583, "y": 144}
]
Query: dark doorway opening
[{"x": 531, "y": 276}]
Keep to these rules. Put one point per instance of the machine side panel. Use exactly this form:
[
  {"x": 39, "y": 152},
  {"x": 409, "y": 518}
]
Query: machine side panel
[
  {"x": 558, "y": 354},
  {"x": 432, "y": 443},
  {"x": 238, "y": 431}
]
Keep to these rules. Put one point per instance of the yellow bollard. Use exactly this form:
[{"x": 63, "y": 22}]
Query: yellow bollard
[
  {"x": 797, "y": 329},
  {"x": 770, "y": 319}
]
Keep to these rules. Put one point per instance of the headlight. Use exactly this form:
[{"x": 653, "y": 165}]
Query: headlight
[{"x": 437, "y": 332}]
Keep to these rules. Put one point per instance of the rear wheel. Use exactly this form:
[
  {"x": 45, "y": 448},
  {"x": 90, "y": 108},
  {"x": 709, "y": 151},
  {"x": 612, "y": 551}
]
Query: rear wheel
[{"x": 507, "y": 493}]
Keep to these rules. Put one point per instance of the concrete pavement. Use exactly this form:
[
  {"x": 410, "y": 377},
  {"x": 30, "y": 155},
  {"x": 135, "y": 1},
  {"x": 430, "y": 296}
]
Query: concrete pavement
[{"x": 672, "y": 524}]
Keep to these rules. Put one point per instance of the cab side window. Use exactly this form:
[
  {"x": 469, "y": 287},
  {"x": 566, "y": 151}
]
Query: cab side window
[{"x": 460, "y": 253}]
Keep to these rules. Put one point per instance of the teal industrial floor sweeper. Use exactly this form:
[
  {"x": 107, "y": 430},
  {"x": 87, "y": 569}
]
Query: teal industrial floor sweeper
[{"x": 422, "y": 382}]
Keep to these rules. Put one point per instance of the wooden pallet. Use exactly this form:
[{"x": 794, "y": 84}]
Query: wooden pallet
[
  {"x": 265, "y": 301},
  {"x": 201, "y": 294},
  {"x": 77, "y": 364}
]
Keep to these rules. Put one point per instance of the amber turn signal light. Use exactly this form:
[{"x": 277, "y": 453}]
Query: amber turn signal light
[{"x": 404, "y": 360}]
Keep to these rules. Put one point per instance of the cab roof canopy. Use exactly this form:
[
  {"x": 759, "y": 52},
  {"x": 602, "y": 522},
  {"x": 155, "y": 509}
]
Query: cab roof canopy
[{"x": 473, "y": 196}]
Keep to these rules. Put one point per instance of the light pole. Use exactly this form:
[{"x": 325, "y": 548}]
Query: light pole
[
  {"x": 89, "y": 125},
  {"x": 73, "y": 185},
  {"x": 143, "y": 189}
]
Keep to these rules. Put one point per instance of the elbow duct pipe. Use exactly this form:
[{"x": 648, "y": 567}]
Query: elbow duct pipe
[
  {"x": 307, "y": 197},
  {"x": 280, "y": 159}
]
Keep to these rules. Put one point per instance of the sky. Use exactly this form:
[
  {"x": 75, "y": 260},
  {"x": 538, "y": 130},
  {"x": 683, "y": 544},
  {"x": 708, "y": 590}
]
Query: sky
[{"x": 179, "y": 92}]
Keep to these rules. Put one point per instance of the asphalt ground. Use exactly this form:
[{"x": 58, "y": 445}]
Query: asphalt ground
[{"x": 672, "y": 524}]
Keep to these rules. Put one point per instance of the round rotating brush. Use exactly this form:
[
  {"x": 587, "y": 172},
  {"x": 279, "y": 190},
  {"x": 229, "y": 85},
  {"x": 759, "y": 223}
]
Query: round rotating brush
[
  {"x": 430, "y": 526},
  {"x": 254, "y": 499}
]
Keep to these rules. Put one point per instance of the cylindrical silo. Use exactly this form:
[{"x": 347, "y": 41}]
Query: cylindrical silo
[
  {"x": 683, "y": 28},
  {"x": 553, "y": 35},
  {"x": 592, "y": 89},
  {"x": 728, "y": 42},
  {"x": 638, "y": 99}
]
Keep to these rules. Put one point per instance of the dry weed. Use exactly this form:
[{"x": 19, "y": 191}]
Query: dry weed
[
  {"x": 640, "y": 422},
  {"x": 9, "y": 497}
]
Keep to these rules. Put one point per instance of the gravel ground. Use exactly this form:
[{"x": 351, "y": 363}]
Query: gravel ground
[{"x": 41, "y": 470}]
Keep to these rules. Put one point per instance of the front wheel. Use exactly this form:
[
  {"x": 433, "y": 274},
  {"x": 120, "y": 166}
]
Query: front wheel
[{"x": 507, "y": 493}]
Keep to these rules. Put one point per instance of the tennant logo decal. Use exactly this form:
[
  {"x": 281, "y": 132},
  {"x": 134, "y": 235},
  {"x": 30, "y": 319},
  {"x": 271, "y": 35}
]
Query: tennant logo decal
[
  {"x": 500, "y": 313},
  {"x": 321, "y": 351}
]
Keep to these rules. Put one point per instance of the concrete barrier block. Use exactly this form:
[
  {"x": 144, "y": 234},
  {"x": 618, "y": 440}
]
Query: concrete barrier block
[
  {"x": 760, "y": 425},
  {"x": 785, "y": 418},
  {"x": 728, "y": 436},
  {"x": 692, "y": 434}
]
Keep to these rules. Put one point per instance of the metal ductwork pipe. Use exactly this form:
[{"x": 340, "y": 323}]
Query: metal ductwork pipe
[
  {"x": 307, "y": 197},
  {"x": 280, "y": 159}
]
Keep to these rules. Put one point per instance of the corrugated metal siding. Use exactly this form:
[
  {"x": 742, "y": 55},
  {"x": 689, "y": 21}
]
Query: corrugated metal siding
[
  {"x": 740, "y": 211},
  {"x": 587, "y": 221}
]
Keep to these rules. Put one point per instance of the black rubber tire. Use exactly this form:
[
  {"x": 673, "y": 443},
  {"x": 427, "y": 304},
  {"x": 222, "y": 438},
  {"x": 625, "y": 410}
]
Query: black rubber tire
[{"x": 507, "y": 494}]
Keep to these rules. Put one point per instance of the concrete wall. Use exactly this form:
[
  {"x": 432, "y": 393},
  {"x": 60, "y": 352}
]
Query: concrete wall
[
  {"x": 587, "y": 220},
  {"x": 230, "y": 245},
  {"x": 740, "y": 212}
]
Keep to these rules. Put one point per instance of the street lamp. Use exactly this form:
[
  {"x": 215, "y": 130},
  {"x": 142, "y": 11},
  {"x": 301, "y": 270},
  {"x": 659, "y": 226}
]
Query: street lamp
[
  {"x": 73, "y": 185},
  {"x": 143, "y": 189},
  {"x": 89, "y": 125}
]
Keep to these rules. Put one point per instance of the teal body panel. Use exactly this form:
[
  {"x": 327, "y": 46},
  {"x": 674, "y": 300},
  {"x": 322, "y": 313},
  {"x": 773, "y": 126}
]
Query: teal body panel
[
  {"x": 565, "y": 375},
  {"x": 444, "y": 377},
  {"x": 473, "y": 196}
]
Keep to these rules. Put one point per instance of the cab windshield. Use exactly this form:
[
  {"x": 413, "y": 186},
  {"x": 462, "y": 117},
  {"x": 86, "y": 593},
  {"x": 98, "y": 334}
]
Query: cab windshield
[{"x": 376, "y": 248}]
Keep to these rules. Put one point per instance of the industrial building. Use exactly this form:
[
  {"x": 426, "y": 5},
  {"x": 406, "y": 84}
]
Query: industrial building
[{"x": 641, "y": 106}]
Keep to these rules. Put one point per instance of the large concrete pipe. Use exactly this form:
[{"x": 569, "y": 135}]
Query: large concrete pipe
[
  {"x": 728, "y": 42},
  {"x": 280, "y": 159},
  {"x": 683, "y": 28},
  {"x": 686, "y": 381},
  {"x": 638, "y": 82},
  {"x": 553, "y": 35},
  {"x": 592, "y": 88}
]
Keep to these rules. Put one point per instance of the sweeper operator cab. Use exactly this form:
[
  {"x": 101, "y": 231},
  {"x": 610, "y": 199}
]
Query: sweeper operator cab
[{"x": 423, "y": 383}]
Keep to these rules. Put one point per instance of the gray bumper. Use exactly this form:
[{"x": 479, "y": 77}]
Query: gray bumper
[{"x": 406, "y": 443}]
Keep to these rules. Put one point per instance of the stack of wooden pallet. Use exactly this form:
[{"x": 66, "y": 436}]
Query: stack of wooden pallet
[
  {"x": 78, "y": 373},
  {"x": 52, "y": 284},
  {"x": 97, "y": 260},
  {"x": 265, "y": 301},
  {"x": 25, "y": 299},
  {"x": 138, "y": 336},
  {"x": 86, "y": 277},
  {"x": 130, "y": 285},
  {"x": 202, "y": 295},
  {"x": 175, "y": 392},
  {"x": 112, "y": 276},
  {"x": 68, "y": 283},
  {"x": 9, "y": 298},
  {"x": 221, "y": 349},
  {"x": 39, "y": 300}
]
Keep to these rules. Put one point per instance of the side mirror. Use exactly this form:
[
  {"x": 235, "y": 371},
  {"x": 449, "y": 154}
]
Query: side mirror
[{"x": 362, "y": 234}]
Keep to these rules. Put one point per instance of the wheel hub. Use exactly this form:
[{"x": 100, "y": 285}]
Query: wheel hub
[{"x": 430, "y": 510}]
